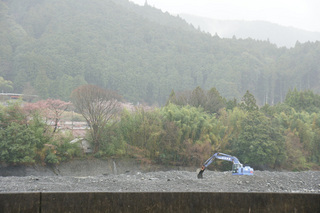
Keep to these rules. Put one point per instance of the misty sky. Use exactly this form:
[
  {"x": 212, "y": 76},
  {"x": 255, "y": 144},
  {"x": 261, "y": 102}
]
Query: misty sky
[{"x": 303, "y": 14}]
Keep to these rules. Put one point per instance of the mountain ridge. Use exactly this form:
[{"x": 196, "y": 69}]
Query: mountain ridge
[{"x": 282, "y": 36}]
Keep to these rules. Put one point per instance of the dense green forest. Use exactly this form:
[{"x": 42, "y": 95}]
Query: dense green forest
[
  {"x": 185, "y": 132},
  {"x": 48, "y": 48}
]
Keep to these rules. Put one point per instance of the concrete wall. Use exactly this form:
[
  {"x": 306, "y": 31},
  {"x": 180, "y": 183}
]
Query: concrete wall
[
  {"x": 46, "y": 202},
  {"x": 20, "y": 202}
]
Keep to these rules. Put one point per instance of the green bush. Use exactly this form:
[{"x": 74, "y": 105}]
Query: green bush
[
  {"x": 51, "y": 159},
  {"x": 18, "y": 144}
]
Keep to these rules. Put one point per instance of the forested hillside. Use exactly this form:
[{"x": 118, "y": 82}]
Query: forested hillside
[{"x": 49, "y": 48}]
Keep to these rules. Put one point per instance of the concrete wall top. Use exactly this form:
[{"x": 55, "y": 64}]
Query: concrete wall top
[{"x": 46, "y": 202}]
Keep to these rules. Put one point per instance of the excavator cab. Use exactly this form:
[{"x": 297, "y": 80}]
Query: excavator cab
[{"x": 236, "y": 167}]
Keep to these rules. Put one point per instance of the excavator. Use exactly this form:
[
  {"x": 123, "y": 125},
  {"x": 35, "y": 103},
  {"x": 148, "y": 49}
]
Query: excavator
[{"x": 237, "y": 167}]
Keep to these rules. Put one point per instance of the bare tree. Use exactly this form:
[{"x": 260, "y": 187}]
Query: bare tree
[
  {"x": 98, "y": 106},
  {"x": 57, "y": 107}
]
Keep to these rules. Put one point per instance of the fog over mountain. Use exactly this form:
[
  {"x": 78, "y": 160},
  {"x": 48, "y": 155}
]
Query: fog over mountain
[{"x": 258, "y": 30}]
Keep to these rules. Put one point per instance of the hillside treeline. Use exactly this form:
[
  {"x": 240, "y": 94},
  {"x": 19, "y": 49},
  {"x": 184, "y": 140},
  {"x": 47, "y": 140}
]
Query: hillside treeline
[
  {"x": 185, "y": 132},
  {"x": 48, "y": 48}
]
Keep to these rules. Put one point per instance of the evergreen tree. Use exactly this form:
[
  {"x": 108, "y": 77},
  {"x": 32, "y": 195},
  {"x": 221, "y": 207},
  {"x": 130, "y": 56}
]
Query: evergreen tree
[
  {"x": 260, "y": 142},
  {"x": 248, "y": 102}
]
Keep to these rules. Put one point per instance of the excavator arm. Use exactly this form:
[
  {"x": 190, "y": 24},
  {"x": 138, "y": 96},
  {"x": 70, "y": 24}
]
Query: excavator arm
[{"x": 220, "y": 156}]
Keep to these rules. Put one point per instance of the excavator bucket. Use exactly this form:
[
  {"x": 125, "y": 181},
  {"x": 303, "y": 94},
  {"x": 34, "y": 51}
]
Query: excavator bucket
[{"x": 200, "y": 174}]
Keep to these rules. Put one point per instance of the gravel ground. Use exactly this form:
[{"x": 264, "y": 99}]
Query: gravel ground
[{"x": 168, "y": 181}]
